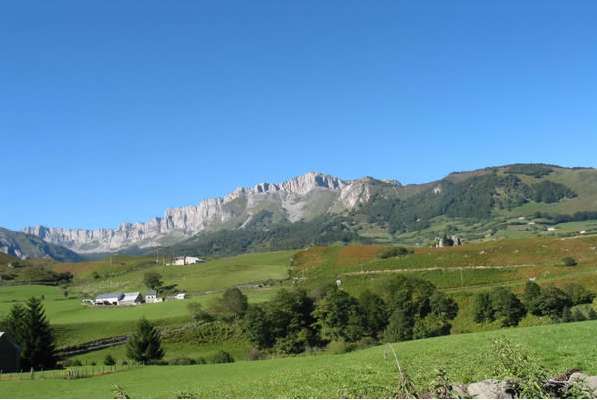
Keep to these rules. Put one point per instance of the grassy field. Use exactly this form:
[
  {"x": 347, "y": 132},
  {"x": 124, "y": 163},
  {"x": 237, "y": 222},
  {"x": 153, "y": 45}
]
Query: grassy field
[
  {"x": 126, "y": 273},
  {"x": 365, "y": 373},
  {"x": 76, "y": 323}
]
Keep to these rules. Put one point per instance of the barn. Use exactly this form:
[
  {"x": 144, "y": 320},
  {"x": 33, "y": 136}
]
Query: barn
[
  {"x": 131, "y": 299},
  {"x": 108, "y": 299},
  {"x": 11, "y": 354}
]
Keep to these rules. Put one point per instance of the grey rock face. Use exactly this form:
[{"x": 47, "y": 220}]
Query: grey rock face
[{"x": 299, "y": 198}]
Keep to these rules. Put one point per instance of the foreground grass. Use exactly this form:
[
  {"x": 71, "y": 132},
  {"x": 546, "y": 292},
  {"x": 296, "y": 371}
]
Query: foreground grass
[{"x": 365, "y": 373}]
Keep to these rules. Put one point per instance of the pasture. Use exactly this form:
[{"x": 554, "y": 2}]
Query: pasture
[{"x": 364, "y": 373}]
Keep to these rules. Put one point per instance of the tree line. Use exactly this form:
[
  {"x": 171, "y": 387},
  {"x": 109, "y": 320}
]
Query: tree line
[{"x": 503, "y": 305}]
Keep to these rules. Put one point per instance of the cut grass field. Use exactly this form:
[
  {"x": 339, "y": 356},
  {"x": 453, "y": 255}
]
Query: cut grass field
[{"x": 364, "y": 373}]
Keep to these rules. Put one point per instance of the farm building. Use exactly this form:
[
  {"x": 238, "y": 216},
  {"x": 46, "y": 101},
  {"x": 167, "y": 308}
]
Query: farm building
[
  {"x": 152, "y": 297},
  {"x": 108, "y": 299},
  {"x": 131, "y": 299},
  {"x": 186, "y": 260},
  {"x": 11, "y": 354}
]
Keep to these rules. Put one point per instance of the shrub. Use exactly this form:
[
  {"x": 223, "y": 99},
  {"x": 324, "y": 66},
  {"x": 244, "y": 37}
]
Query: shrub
[
  {"x": 109, "y": 360},
  {"x": 513, "y": 361},
  {"x": 71, "y": 363},
  {"x": 186, "y": 395},
  {"x": 182, "y": 361},
  {"x": 200, "y": 360},
  {"x": 340, "y": 347},
  {"x": 569, "y": 262},
  {"x": 396, "y": 251},
  {"x": 222, "y": 357}
]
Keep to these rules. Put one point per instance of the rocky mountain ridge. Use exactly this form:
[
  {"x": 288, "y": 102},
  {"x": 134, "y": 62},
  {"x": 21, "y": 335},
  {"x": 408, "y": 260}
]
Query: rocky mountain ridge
[{"x": 299, "y": 198}]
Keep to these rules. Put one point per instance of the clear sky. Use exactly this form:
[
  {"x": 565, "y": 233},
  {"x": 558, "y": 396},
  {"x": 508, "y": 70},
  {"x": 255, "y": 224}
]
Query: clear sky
[{"x": 111, "y": 111}]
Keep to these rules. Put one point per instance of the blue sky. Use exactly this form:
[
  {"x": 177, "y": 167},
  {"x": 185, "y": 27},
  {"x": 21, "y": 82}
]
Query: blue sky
[{"x": 113, "y": 111}]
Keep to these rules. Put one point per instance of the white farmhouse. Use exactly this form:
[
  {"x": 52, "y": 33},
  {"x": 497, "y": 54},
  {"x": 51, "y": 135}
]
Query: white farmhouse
[
  {"x": 152, "y": 297},
  {"x": 181, "y": 296},
  {"x": 131, "y": 299},
  {"x": 187, "y": 260},
  {"x": 108, "y": 299}
]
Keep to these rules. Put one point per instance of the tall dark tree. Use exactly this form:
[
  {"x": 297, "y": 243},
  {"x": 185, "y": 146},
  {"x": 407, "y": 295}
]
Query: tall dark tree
[
  {"x": 531, "y": 294},
  {"x": 145, "y": 344},
  {"x": 37, "y": 341},
  {"x": 482, "y": 309},
  {"x": 15, "y": 323},
  {"x": 257, "y": 327},
  {"x": 374, "y": 313}
]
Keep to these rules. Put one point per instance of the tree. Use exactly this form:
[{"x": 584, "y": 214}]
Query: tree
[
  {"x": 290, "y": 313},
  {"x": 482, "y": 309},
  {"x": 374, "y": 313},
  {"x": 552, "y": 302},
  {"x": 400, "y": 326},
  {"x": 507, "y": 307},
  {"x": 37, "y": 339},
  {"x": 15, "y": 323},
  {"x": 443, "y": 306},
  {"x": 578, "y": 294},
  {"x": 235, "y": 302},
  {"x": 430, "y": 326},
  {"x": 153, "y": 280},
  {"x": 339, "y": 316},
  {"x": 257, "y": 327},
  {"x": 532, "y": 292},
  {"x": 145, "y": 344},
  {"x": 109, "y": 360}
]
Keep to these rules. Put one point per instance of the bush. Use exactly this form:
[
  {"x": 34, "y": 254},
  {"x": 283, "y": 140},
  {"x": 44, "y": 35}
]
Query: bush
[
  {"x": 569, "y": 262},
  {"x": 182, "y": 361},
  {"x": 222, "y": 357},
  {"x": 396, "y": 251},
  {"x": 71, "y": 363},
  {"x": 109, "y": 360},
  {"x": 340, "y": 347},
  {"x": 200, "y": 360}
]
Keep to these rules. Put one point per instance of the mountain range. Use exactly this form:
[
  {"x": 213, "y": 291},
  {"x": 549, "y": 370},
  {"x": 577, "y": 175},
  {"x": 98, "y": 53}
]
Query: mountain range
[{"x": 320, "y": 208}]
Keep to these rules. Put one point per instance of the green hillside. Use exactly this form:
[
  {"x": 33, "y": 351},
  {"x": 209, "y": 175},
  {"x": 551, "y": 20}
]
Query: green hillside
[{"x": 365, "y": 373}]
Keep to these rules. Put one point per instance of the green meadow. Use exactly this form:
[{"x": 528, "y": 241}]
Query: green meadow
[{"x": 364, "y": 373}]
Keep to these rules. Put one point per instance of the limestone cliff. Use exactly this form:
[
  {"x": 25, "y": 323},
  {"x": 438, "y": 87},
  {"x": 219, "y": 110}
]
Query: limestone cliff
[{"x": 302, "y": 197}]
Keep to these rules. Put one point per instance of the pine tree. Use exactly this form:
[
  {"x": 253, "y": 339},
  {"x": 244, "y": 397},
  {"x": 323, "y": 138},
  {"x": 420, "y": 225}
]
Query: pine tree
[
  {"x": 145, "y": 344},
  {"x": 37, "y": 346},
  {"x": 15, "y": 323}
]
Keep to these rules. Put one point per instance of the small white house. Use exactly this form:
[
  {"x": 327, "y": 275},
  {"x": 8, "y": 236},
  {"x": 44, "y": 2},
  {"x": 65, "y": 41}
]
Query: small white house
[
  {"x": 187, "y": 260},
  {"x": 180, "y": 296},
  {"x": 131, "y": 299},
  {"x": 108, "y": 299},
  {"x": 152, "y": 297}
]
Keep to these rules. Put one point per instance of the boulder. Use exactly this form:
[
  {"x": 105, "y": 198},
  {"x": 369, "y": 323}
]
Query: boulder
[
  {"x": 589, "y": 381},
  {"x": 491, "y": 389}
]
